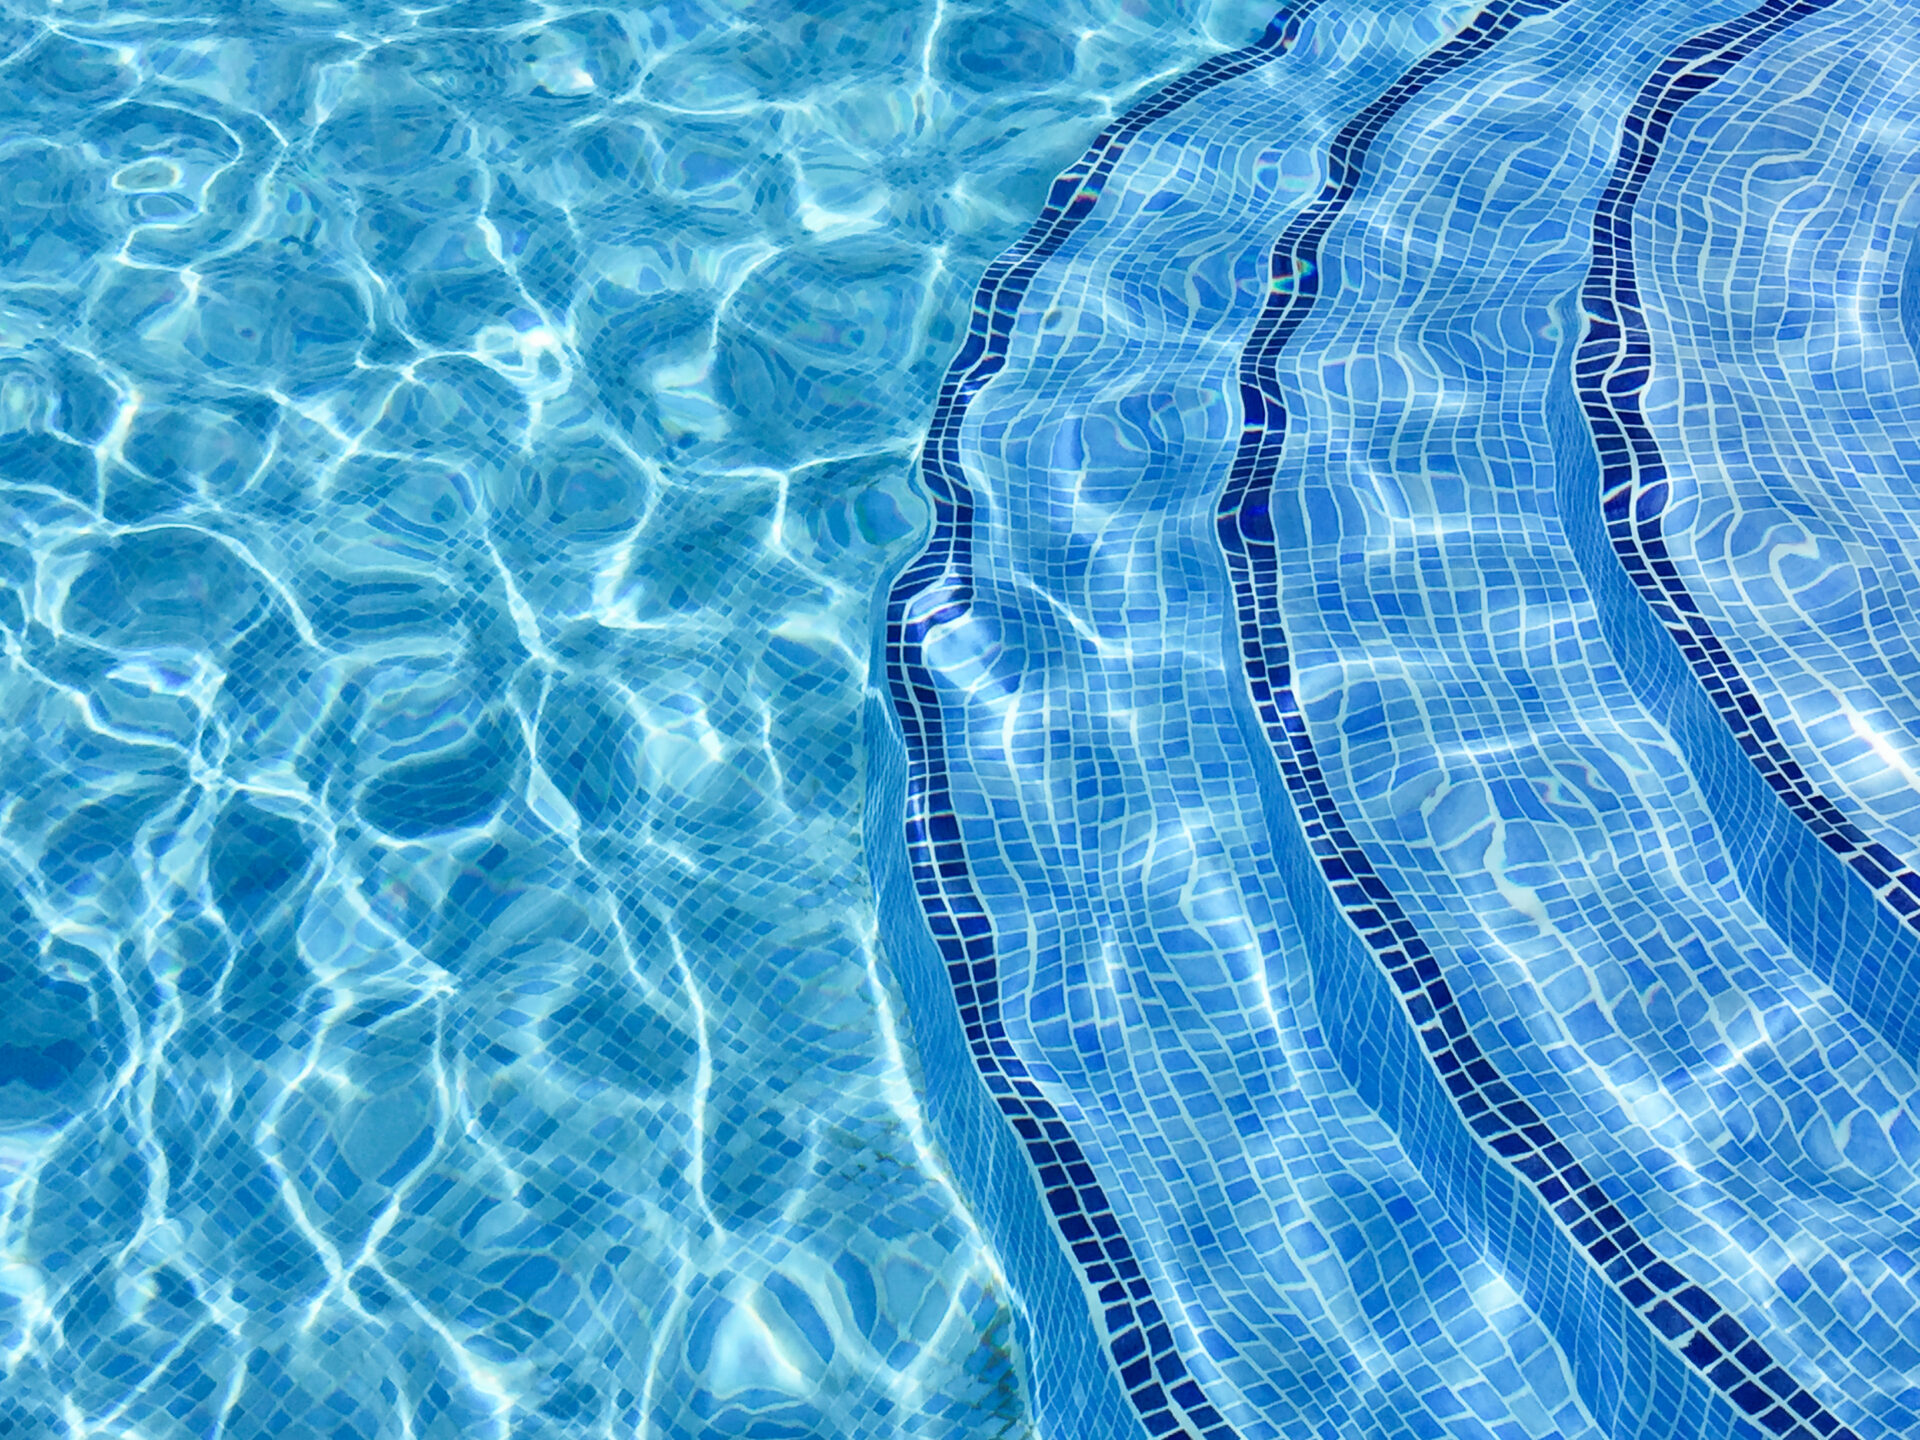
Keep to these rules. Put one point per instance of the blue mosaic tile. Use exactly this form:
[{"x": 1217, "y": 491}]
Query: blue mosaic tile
[
  {"x": 705, "y": 743},
  {"x": 1046, "y": 698}
]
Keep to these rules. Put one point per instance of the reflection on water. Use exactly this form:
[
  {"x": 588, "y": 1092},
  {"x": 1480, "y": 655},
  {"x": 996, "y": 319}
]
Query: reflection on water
[{"x": 447, "y": 455}]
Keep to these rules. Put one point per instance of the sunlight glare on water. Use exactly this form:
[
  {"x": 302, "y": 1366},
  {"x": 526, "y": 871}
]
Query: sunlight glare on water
[
  {"x": 448, "y": 453},
  {"x": 1094, "y": 720}
]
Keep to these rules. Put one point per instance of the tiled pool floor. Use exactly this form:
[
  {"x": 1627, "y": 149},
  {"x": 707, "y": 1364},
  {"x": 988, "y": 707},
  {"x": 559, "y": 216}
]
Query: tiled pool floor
[{"x": 703, "y": 742}]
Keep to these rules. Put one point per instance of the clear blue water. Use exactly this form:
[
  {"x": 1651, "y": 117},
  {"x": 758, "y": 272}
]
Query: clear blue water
[{"x": 845, "y": 720}]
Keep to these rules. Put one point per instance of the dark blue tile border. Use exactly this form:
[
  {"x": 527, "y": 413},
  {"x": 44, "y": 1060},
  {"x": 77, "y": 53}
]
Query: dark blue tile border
[
  {"x": 1611, "y": 368},
  {"x": 1073, "y": 1388},
  {"x": 937, "y": 588},
  {"x": 1684, "y": 1314}
]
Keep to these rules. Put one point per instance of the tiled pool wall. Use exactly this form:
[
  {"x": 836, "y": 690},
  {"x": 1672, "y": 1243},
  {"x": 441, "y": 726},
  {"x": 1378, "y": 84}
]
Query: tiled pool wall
[
  {"x": 1638, "y": 1037},
  {"x": 651, "y": 796}
]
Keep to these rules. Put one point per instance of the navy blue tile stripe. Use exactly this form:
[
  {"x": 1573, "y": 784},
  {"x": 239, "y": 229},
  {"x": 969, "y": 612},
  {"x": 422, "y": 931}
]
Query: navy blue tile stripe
[
  {"x": 1611, "y": 368},
  {"x": 937, "y": 589},
  {"x": 1683, "y": 1313}
]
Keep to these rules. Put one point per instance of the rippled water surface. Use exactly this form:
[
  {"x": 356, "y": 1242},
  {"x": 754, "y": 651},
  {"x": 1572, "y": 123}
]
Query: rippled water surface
[
  {"x": 448, "y": 456},
  {"x": 810, "y": 719}
]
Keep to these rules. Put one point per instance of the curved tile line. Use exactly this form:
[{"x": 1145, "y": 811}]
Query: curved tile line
[
  {"x": 1611, "y": 368},
  {"x": 1685, "y": 1315},
  {"x": 936, "y": 589}
]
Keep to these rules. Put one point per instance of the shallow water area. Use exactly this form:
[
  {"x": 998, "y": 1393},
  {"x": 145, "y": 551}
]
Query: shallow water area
[{"x": 852, "y": 719}]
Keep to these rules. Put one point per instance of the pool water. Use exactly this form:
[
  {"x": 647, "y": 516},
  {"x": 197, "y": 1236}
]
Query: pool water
[{"x": 859, "y": 719}]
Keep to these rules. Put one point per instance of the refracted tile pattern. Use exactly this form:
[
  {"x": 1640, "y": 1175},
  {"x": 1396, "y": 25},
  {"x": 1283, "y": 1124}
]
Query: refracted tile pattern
[
  {"x": 936, "y": 590},
  {"x": 447, "y": 454},
  {"x": 1798, "y": 589},
  {"x": 1684, "y": 1313},
  {"x": 1352, "y": 894},
  {"x": 1614, "y": 366}
]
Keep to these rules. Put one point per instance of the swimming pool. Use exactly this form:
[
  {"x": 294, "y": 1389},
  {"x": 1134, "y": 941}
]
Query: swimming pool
[{"x": 845, "y": 719}]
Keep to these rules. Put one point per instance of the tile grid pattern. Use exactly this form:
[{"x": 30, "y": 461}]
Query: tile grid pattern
[
  {"x": 1168, "y": 958},
  {"x": 1684, "y": 1313},
  {"x": 1642, "y": 951},
  {"x": 447, "y": 459},
  {"x": 1612, "y": 369},
  {"x": 1791, "y": 513},
  {"x": 935, "y": 590}
]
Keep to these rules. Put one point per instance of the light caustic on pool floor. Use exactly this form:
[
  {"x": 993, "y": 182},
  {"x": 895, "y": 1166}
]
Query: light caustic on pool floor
[
  {"x": 448, "y": 455},
  {"x": 1636, "y": 1036},
  {"x": 450, "y": 458}
]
